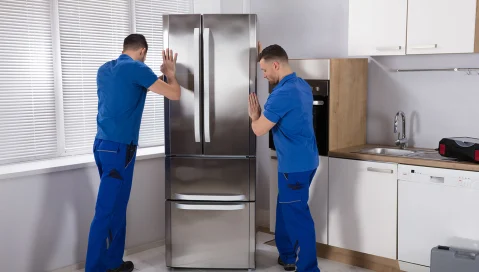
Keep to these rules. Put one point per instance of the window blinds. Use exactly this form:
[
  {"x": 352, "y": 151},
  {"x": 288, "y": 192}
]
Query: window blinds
[
  {"x": 91, "y": 33},
  {"x": 27, "y": 94},
  {"x": 48, "y": 100}
]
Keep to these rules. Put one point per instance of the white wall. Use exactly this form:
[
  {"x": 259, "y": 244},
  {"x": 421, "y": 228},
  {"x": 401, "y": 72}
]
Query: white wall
[
  {"x": 436, "y": 104},
  {"x": 304, "y": 28},
  {"x": 220, "y": 6},
  {"x": 45, "y": 219}
]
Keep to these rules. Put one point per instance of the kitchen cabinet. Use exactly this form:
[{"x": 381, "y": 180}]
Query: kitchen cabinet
[
  {"x": 363, "y": 206},
  {"x": 442, "y": 26},
  {"x": 377, "y": 27},
  {"x": 318, "y": 198}
]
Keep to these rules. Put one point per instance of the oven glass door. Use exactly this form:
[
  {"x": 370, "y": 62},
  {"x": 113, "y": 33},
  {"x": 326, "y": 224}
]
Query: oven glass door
[{"x": 320, "y": 125}]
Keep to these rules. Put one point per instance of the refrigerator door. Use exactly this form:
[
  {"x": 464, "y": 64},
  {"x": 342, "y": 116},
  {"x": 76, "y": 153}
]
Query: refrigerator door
[
  {"x": 210, "y": 235},
  {"x": 182, "y": 33},
  {"x": 210, "y": 179},
  {"x": 229, "y": 65}
]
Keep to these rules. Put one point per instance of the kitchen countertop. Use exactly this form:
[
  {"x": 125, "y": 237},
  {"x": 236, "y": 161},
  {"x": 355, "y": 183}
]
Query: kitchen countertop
[{"x": 351, "y": 153}]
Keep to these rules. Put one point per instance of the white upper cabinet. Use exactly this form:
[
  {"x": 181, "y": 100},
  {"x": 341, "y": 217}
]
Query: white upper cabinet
[
  {"x": 441, "y": 26},
  {"x": 382, "y": 27},
  {"x": 389, "y": 27},
  {"x": 360, "y": 27},
  {"x": 377, "y": 27}
]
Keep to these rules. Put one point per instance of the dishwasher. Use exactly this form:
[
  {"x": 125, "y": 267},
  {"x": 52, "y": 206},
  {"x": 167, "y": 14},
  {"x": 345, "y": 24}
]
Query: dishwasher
[{"x": 436, "y": 207}]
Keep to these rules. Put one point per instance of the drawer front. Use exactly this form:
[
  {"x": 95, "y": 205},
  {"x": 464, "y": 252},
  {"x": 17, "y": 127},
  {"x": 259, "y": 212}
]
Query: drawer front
[
  {"x": 210, "y": 179},
  {"x": 210, "y": 235}
]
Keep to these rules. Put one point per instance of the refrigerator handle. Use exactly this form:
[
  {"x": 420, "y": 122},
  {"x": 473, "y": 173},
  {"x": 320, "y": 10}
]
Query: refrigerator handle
[
  {"x": 210, "y": 207},
  {"x": 206, "y": 61},
  {"x": 196, "y": 36},
  {"x": 211, "y": 197}
]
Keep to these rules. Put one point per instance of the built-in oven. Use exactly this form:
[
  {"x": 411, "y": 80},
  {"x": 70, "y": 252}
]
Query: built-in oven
[{"x": 320, "y": 90}]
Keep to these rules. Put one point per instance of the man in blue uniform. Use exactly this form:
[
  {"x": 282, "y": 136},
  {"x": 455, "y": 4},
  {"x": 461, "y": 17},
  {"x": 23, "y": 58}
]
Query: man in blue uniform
[
  {"x": 288, "y": 112},
  {"x": 122, "y": 85}
]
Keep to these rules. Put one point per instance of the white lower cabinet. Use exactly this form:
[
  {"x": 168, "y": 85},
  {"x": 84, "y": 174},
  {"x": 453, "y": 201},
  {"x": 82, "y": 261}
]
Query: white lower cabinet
[{"x": 363, "y": 206}]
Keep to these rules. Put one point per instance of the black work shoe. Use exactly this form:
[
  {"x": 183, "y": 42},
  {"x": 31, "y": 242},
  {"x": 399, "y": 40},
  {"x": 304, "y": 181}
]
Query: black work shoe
[
  {"x": 287, "y": 267},
  {"x": 124, "y": 267}
]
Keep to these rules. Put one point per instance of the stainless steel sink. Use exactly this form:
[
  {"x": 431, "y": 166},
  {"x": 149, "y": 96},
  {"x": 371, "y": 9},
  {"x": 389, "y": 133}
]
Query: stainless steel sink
[
  {"x": 413, "y": 154},
  {"x": 387, "y": 151},
  {"x": 430, "y": 155}
]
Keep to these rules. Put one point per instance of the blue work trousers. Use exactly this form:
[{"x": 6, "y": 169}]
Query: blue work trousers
[
  {"x": 295, "y": 236},
  {"x": 106, "y": 242}
]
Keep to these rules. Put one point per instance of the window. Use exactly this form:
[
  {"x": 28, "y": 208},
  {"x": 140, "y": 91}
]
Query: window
[
  {"x": 51, "y": 51},
  {"x": 91, "y": 33},
  {"x": 149, "y": 22},
  {"x": 27, "y": 94}
]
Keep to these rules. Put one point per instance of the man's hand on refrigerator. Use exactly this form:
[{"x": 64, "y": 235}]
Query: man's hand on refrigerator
[
  {"x": 169, "y": 88},
  {"x": 168, "y": 67},
  {"x": 254, "y": 110}
]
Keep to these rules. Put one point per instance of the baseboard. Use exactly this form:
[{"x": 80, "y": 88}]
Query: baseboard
[
  {"x": 358, "y": 259},
  {"x": 262, "y": 218},
  {"x": 129, "y": 251},
  {"x": 353, "y": 258}
]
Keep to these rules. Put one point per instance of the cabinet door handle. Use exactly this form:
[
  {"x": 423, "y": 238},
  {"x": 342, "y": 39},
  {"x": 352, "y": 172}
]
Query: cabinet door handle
[
  {"x": 425, "y": 46},
  {"x": 388, "y": 48},
  {"x": 379, "y": 170}
]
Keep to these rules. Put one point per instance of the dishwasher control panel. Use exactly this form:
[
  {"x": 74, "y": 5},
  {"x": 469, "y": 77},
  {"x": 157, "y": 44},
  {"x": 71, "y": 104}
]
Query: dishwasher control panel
[{"x": 439, "y": 176}]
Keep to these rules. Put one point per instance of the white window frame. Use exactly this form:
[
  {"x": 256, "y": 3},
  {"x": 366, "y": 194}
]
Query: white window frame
[{"x": 57, "y": 69}]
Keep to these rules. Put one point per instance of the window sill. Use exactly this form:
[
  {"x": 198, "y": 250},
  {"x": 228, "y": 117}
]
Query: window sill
[{"x": 67, "y": 163}]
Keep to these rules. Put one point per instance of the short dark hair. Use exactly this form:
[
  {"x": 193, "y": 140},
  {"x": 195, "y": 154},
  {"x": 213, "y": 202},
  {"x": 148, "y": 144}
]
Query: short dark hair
[
  {"x": 135, "y": 42},
  {"x": 273, "y": 52}
]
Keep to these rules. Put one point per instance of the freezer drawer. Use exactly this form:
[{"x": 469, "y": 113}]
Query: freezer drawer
[
  {"x": 210, "y": 235},
  {"x": 210, "y": 179}
]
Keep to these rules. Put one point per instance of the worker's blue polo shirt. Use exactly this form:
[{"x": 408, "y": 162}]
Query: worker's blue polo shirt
[
  {"x": 290, "y": 106},
  {"x": 122, "y": 87}
]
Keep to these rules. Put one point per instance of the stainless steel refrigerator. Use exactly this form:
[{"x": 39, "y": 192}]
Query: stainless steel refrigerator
[{"x": 210, "y": 147}]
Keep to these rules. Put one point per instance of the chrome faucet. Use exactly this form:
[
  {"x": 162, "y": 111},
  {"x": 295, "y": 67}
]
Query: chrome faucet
[{"x": 402, "y": 139}]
